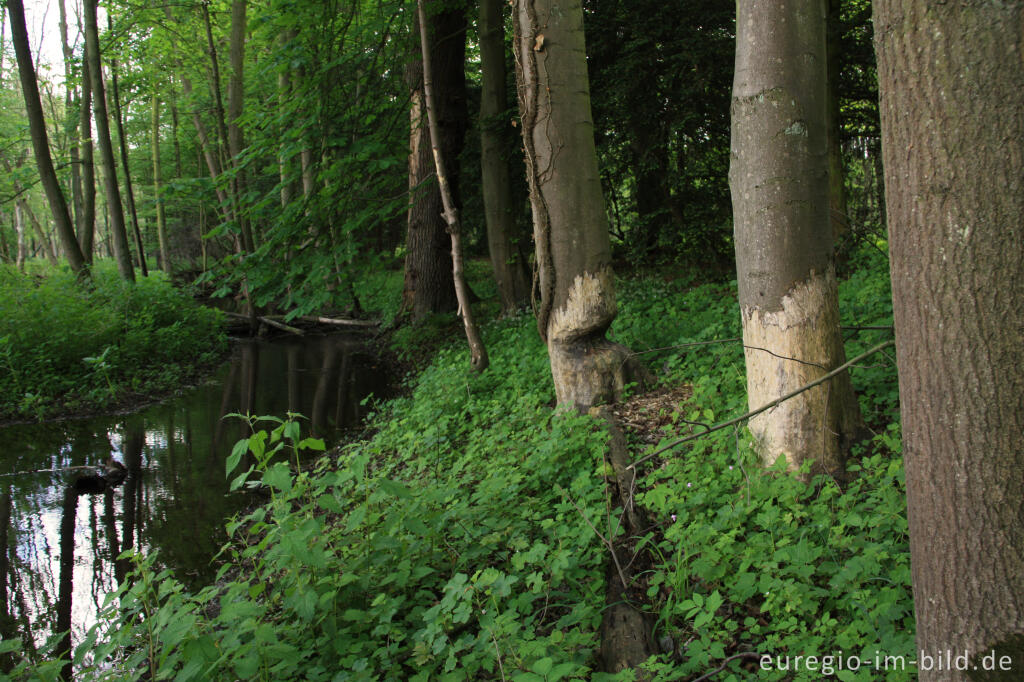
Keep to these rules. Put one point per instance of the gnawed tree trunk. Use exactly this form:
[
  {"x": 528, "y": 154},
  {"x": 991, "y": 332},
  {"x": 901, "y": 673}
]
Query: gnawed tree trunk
[
  {"x": 507, "y": 258},
  {"x": 118, "y": 232},
  {"x": 478, "y": 351},
  {"x": 952, "y": 96},
  {"x": 40, "y": 144},
  {"x": 577, "y": 295},
  {"x": 428, "y": 286},
  {"x": 787, "y": 283}
]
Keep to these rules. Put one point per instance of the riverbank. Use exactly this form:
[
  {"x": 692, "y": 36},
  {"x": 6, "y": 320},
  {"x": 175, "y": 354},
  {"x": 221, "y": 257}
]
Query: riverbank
[
  {"x": 466, "y": 537},
  {"x": 72, "y": 348}
]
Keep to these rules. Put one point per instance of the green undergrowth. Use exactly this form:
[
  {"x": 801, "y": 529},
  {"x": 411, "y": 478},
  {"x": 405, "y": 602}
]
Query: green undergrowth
[
  {"x": 68, "y": 346},
  {"x": 461, "y": 540}
]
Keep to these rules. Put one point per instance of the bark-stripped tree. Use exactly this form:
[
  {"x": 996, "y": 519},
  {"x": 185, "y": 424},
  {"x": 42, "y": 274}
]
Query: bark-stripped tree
[
  {"x": 428, "y": 286},
  {"x": 40, "y": 143},
  {"x": 118, "y": 231},
  {"x": 570, "y": 227},
  {"x": 787, "y": 283},
  {"x": 951, "y": 79},
  {"x": 506, "y": 255}
]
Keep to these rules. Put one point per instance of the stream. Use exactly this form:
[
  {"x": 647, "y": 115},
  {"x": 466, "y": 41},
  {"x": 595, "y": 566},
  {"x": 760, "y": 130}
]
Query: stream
[{"x": 60, "y": 546}]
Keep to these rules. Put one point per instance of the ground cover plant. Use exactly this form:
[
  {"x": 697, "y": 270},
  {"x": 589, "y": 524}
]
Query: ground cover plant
[
  {"x": 460, "y": 541},
  {"x": 69, "y": 345}
]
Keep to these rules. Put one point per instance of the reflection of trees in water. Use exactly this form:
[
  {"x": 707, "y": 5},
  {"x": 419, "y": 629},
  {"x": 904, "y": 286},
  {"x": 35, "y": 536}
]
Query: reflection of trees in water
[{"x": 174, "y": 498}]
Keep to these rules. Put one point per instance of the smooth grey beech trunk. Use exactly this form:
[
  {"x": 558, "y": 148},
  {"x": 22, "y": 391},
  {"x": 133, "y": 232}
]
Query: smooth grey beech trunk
[
  {"x": 577, "y": 294},
  {"x": 951, "y": 80},
  {"x": 780, "y": 195}
]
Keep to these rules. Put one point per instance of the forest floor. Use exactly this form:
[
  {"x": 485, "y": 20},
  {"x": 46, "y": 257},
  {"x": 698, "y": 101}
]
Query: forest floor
[{"x": 467, "y": 535}]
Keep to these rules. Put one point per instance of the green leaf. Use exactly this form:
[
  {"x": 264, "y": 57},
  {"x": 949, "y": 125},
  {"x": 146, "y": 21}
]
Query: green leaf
[{"x": 395, "y": 488}]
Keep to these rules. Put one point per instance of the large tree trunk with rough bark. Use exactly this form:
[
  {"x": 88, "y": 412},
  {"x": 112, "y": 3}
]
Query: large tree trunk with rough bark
[
  {"x": 118, "y": 231},
  {"x": 428, "y": 284},
  {"x": 507, "y": 256},
  {"x": 952, "y": 111},
  {"x": 780, "y": 195},
  {"x": 40, "y": 144}
]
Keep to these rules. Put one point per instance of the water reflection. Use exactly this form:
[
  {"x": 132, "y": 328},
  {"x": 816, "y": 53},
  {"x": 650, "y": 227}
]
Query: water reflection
[{"x": 58, "y": 546}]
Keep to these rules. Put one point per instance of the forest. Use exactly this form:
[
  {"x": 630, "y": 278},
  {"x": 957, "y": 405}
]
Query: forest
[{"x": 683, "y": 340}]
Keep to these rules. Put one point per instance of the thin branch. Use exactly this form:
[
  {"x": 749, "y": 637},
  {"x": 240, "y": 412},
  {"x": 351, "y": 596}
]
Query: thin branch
[
  {"x": 743, "y": 654},
  {"x": 753, "y": 413}
]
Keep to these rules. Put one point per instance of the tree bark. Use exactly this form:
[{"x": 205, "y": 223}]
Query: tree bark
[
  {"x": 161, "y": 220},
  {"x": 86, "y": 223},
  {"x": 787, "y": 284},
  {"x": 118, "y": 231},
  {"x": 507, "y": 258},
  {"x": 478, "y": 351},
  {"x": 70, "y": 116},
  {"x": 836, "y": 182},
  {"x": 236, "y": 93},
  {"x": 40, "y": 143},
  {"x": 952, "y": 97},
  {"x": 115, "y": 96},
  {"x": 428, "y": 286},
  {"x": 570, "y": 227}
]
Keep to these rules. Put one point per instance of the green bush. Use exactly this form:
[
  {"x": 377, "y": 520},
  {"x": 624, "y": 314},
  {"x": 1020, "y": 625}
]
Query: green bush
[{"x": 71, "y": 345}]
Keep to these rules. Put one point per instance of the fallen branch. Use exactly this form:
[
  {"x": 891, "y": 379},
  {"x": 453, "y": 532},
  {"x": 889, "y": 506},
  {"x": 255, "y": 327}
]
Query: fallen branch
[
  {"x": 269, "y": 322},
  {"x": 753, "y": 413},
  {"x": 339, "y": 322}
]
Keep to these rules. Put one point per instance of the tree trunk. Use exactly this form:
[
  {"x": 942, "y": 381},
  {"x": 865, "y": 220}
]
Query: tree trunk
[
  {"x": 71, "y": 115},
  {"x": 507, "y": 257},
  {"x": 115, "y": 96},
  {"x": 570, "y": 226},
  {"x": 86, "y": 223},
  {"x": 19, "y": 231},
  {"x": 428, "y": 284},
  {"x": 40, "y": 143},
  {"x": 787, "y": 283},
  {"x": 952, "y": 93},
  {"x": 236, "y": 93},
  {"x": 477, "y": 349},
  {"x": 161, "y": 221},
  {"x": 836, "y": 183},
  {"x": 119, "y": 234}
]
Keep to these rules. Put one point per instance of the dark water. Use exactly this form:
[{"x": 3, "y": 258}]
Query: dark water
[{"x": 58, "y": 547}]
